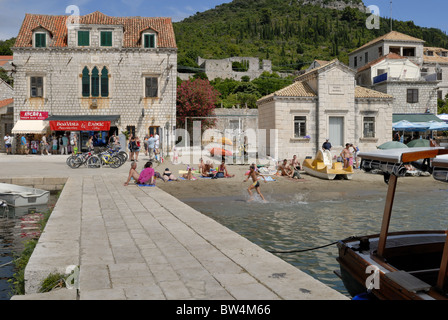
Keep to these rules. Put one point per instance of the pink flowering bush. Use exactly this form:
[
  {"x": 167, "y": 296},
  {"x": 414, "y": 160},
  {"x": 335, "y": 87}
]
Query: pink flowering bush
[{"x": 196, "y": 98}]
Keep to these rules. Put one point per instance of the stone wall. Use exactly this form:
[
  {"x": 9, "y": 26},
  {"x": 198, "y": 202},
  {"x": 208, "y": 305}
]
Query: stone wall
[
  {"x": 338, "y": 5},
  {"x": 215, "y": 68},
  {"x": 62, "y": 72},
  {"x": 427, "y": 96},
  {"x": 6, "y": 91}
]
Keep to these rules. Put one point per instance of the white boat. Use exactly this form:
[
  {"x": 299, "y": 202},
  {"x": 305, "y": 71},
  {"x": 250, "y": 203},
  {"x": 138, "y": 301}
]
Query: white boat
[
  {"x": 324, "y": 168},
  {"x": 18, "y": 196}
]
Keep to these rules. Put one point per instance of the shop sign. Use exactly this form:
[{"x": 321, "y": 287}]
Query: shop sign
[
  {"x": 80, "y": 125},
  {"x": 33, "y": 115}
]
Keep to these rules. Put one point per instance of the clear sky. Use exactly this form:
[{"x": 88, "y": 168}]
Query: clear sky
[{"x": 428, "y": 13}]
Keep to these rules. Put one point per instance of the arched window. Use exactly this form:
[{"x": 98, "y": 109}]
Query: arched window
[
  {"x": 85, "y": 82},
  {"x": 104, "y": 82},
  {"x": 95, "y": 82}
]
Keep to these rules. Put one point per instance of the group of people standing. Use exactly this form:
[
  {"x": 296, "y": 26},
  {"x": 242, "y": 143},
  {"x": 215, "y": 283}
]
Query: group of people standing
[
  {"x": 151, "y": 145},
  {"x": 349, "y": 155},
  {"x": 64, "y": 144}
]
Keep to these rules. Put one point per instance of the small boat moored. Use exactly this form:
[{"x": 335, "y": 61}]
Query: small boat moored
[
  {"x": 19, "y": 196},
  {"x": 323, "y": 167},
  {"x": 407, "y": 265}
]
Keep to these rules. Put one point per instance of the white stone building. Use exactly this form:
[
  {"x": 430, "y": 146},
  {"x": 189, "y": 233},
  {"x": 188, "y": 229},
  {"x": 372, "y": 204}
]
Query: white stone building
[
  {"x": 97, "y": 74},
  {"x": 401, "y": 78},
  {"x": 324, "y": 103},
  {"x": 400, "y": 65}
]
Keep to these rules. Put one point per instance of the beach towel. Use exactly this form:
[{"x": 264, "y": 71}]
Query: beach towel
[
  {"x": 146, "y": 185},
  {"x": 270, "y": 179}
]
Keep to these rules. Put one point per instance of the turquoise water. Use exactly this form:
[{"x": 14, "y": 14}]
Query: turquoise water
[
  {"x": 15, "y": 230},
  {"x": 295, "y": 222}
]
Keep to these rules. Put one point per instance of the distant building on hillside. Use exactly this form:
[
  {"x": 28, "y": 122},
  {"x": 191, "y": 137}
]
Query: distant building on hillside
[{"x": 224, "y": 68}]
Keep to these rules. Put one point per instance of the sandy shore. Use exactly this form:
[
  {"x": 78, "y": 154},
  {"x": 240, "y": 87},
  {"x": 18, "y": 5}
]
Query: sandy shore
[{"x": 362, "y": 185}]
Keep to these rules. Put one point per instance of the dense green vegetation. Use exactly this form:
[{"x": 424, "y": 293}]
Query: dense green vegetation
[
  {"x": 284, "y": 31},
  {"x": 5, "y": 47}
]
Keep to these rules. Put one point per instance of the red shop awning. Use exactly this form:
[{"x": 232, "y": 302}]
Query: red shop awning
[{"x": 80, "y": 125}]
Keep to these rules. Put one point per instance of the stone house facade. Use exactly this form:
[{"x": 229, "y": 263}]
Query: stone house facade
[
  {"x": 100, "y": 68},
  {"x": 324, "y": 103},
  {"x": 435, "y": 68},
  {"x": 6, "y": 111},
  {"x": 393, "y": 53},
  {"x": 401, "y": 78}
]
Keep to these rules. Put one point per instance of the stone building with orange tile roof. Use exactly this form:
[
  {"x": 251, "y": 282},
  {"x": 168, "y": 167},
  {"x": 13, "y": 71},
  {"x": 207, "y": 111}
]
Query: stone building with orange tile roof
[
  {"x": 119, "y": 72},
  {"x": 325, "y": 102}
]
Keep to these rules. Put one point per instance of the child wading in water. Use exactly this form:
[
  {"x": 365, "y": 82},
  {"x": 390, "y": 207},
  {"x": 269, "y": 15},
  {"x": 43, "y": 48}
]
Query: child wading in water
[{"x": 256, "y": 184}]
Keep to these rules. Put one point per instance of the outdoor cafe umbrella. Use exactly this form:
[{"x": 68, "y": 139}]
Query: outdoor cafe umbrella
[
  {"x": 437, "y": 126},
  {"x": 392, "y": 145},
  {"x": 409, "y": 126},
  {"x": 417, "y": 143}
]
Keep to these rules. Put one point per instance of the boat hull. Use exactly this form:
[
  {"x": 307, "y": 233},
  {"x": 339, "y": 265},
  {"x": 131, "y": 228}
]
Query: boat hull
[
  {"x": 18, "y": 196},
  {"x": 321, "y": 170},
  {"x": 408, "y": 272}
]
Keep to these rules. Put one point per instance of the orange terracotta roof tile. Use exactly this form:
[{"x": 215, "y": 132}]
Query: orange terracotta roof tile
[
  {"x": 362, "y": 92},
  {"x": 436, "y": 57},
  {"x": 392, "y": 36},
  {"x": 132, "y": 27},
  {"x": 297, "y": 89},
  {"x": 374, "y": 62},
  {"x": 6, "y": 102}
]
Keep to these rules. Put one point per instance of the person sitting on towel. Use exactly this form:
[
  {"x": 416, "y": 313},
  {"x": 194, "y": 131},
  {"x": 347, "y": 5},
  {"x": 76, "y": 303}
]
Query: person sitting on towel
[{"x": 147, "y": 175}]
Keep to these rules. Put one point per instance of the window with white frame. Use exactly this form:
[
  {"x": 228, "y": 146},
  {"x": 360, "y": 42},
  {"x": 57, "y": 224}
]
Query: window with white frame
[
  {"x": 149, "y": 40},
  {"x": 37, "y": 87},
  {"x": 40, "y": 40},
  {"x": 151, "y": 87},
  {"x": 299, "y": 126},
  {"x": 369, "y": 127}
]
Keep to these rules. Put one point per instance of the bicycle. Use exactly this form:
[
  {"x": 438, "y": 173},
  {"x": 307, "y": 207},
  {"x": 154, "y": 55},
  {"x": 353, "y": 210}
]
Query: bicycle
[
  {"x": 112, "y": 161},
  {"x": 76, "y": 160}
]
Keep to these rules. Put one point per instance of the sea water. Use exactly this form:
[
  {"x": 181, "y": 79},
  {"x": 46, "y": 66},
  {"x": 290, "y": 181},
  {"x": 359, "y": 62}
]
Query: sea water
[
  {"x": 299, "y": 222},
  {"x": 17, "y": 225}
]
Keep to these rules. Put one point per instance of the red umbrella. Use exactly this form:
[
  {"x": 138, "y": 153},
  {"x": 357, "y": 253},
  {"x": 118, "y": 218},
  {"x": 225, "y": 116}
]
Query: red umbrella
[{"x": 221, "y": 152}]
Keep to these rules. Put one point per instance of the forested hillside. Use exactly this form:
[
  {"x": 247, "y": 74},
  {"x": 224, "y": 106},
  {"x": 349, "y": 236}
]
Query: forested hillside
[{"x": 287, "y": 32}]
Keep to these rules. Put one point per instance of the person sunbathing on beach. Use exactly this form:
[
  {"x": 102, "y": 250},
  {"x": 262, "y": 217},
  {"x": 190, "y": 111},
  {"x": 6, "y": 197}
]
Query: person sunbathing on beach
[
  {"x": 133, "y": 174},
  {"x": 205, "y": 172},
  {"x": 284, "y": 170},
  {"x": 168, "y": 175},
  {"x": 256, "y": 184},
  {"x": 222, "y": 171},
  {"x": 188, "y": 175}
]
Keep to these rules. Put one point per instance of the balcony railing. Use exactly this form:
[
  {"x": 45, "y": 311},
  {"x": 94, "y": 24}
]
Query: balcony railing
[{"x": 380, "y": 78}]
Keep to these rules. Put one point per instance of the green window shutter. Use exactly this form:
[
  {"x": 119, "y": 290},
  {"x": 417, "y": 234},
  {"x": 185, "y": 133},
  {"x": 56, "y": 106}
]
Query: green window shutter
[
  {"x": 104, "y": 82},
  {"x": 40, "y": 40},
  {"x": 149, "y": 41},
  {"x": 95, "y": 82},
  {"x": 85, "y": 83},
  {"x": 106, "y": 38},
  {"x": 83, "y": 38}
]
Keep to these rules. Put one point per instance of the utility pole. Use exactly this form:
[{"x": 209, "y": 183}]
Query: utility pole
[{"x": 391, "y": 16}]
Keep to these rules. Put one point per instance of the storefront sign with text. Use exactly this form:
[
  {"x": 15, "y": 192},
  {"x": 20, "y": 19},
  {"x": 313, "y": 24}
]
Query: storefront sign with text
[
  {"x": 33, "y": 115},
  {"x": 80, "y": 125}
]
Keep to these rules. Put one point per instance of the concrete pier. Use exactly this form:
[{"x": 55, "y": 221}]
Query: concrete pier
[{"x": 132, "y": 243}]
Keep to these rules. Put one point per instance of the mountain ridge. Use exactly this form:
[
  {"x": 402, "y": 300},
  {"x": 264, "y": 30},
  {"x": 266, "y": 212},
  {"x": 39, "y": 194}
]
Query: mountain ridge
[{"x": 290, "y": 33}]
